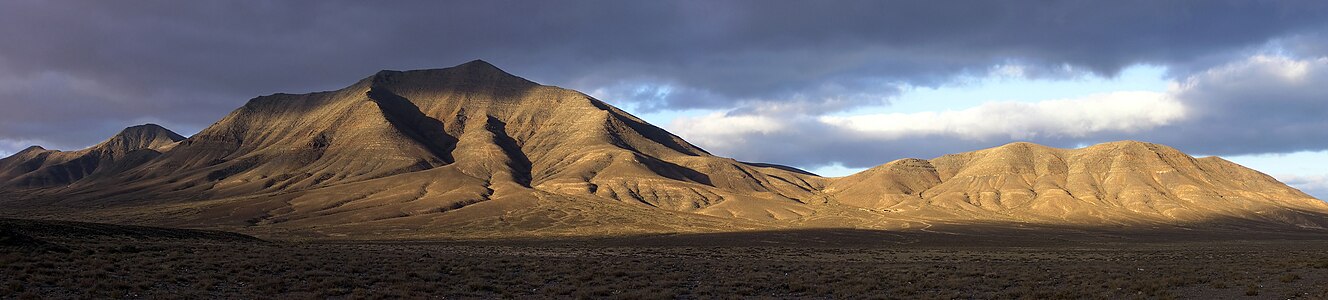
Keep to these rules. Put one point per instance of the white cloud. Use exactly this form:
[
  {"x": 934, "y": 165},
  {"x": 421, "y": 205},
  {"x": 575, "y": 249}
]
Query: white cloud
[
  {"x": 724, "y": 131},
  {"x": 1252, "y": 105},
  {"x": 1316, "y": 186},
  {"x": 1262, "y": 70},
  {"x": 1113, "y": 112},
  {"x": 650, "y": 95},
  {"x": 835, "y": 170}
]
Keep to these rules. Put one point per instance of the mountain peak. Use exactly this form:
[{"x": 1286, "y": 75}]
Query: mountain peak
[
  {"x": 144, "y": 136},
  {"x": 1127, "y": 143},
  {"x": 1023, "y": 146},
  {"x": 29, "y": 152},
  {"x": 475, "y": 71},
  {"x": 149, "y": 130},
  {"x": 1135, "y": 146},
  {"x": 480, "y": 69},
  {"x": 33, "y": 148},
  {"x": 1020, "y": 144},
  {"x": 478, "y": 63}
]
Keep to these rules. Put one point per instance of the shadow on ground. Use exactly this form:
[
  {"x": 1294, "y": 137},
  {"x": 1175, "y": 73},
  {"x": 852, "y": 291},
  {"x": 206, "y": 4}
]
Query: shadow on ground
[{"x": 54, "y": 259}]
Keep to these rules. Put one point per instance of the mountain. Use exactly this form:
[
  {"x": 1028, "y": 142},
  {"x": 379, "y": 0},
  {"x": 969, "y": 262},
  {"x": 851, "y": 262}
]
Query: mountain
[
  {"x": 414, "y": 146},
  {"x": 1119, "y": 183},
  {"x": 38, "y": 167},
  {"x": 472, "y": 151}
]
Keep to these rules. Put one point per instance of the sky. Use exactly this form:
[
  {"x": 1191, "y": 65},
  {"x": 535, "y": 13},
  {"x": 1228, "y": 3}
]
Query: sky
[{"x": 828, "y": 86}]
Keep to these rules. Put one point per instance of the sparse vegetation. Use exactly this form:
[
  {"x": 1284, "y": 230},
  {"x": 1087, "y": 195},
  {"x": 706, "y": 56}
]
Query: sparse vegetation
[
  {"x": 208, "y": 267},
  {"x": 1252, "y": 290}
]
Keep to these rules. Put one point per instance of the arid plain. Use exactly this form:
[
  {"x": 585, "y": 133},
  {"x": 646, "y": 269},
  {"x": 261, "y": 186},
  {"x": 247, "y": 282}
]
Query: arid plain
[{"x": 47, "y": 259}]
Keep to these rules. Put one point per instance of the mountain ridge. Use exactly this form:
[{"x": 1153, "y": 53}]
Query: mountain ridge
[
  {"x": 36, "y": 166},
  {"x": 474, "y": 151},
  {"x": 1024, "y": 181}
]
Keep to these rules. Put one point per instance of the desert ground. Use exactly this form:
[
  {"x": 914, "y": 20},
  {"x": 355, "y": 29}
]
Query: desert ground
[{"x": 54, "y": 259}]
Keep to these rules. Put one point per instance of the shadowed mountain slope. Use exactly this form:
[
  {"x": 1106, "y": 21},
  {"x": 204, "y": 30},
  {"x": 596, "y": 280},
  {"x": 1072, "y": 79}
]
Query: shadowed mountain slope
[
  {"x": 472, "y": 151},
  {"x": 38, "y": 167},
  {"x": 418, "y": 144}
]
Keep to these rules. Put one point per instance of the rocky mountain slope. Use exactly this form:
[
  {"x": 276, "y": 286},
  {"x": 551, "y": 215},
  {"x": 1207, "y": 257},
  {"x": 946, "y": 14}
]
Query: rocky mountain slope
[
  {"x": 1122, "y": 183},
  {"x": 472, "y": 151},
  {"x": 37, "y": 167}
]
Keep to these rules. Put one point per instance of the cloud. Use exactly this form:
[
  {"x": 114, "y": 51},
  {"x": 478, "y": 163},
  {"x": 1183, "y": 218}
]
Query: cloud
[
  {"x": 868, "y": 140},
  {"x": 1262, "y": 104},
  {"x": 651, "y": 96},
  {"x": 1259, "y": 104},
  {"x": 1071, "y": 118},
  {"x": 719, "y": 130},
  {"x": 1316, "y": 186},
  {"x": 81, "y": 70}
]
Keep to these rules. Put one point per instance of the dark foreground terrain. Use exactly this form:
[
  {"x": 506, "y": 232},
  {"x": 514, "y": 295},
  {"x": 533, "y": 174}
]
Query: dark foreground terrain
[{"x": 48, "y": 259}]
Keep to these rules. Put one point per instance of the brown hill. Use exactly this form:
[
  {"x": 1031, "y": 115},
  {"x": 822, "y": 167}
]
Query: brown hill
[
  {"x": 412, "y": 147},
  {"x": 472, "y": 151},
  {"x": 1119, "y": 183},
  {"x": 38, "y": 167}
]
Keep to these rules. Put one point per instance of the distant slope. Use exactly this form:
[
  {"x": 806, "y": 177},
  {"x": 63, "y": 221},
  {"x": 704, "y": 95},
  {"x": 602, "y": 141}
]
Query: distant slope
[
  {"x": 1114, "y": 183},
  {"x": 472, "y": 151},
  {"x": 38, "y": 167}
]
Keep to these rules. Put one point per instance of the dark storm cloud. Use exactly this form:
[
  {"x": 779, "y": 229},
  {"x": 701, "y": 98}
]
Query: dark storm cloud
[
  {"x": 76, "y": 71},
  {"x": 1260, "y": 105}
]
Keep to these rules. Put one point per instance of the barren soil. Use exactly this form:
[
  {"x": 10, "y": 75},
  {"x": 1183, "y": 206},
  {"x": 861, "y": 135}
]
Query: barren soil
[{"x": 47, "y": 259}]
